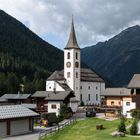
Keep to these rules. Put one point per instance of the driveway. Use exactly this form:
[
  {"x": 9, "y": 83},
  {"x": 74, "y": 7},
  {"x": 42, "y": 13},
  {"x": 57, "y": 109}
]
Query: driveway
[{"x": 33, "y": 136}]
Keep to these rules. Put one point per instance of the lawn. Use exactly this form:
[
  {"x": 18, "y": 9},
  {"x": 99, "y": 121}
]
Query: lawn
[{"x": 86, "y": 130}]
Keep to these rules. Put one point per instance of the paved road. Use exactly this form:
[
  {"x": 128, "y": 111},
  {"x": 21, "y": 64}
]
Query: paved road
[{"x": 34, "y": 136}]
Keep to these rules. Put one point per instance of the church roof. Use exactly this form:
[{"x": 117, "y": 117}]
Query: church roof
[
  {"x": 72, "y": 42},
  {"x": 90, "y": 75},
  {"x": 135, "y": 82},
  {"x": 57, "y": 75},
  {"x": 86, "y": 75}
]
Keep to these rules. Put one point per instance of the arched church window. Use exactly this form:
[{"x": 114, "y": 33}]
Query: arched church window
[
  {"x": 76, "y": 64},
  {"x": 76, "y": 55},
  {"x": 68, "y": 55}
]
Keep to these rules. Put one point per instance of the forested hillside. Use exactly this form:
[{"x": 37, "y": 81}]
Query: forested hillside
[
  {"x": 117, "y": 59},
  {"x": 24, "y": 57}
]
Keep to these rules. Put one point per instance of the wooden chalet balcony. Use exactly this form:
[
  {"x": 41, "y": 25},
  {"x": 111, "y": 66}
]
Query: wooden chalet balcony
[{"x": 42, "y": 109}]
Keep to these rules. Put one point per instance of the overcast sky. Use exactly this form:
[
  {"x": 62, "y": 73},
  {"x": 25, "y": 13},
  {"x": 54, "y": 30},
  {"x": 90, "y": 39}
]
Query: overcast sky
[{"x": 95, "y": 20}]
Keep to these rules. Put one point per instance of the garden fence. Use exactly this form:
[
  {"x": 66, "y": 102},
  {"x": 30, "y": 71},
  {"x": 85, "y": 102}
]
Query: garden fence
[{"x": 55, "y": 129}]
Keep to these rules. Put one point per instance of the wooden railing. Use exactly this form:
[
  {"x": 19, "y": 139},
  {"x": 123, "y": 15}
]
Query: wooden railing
[{"x": 55, "y": 129}]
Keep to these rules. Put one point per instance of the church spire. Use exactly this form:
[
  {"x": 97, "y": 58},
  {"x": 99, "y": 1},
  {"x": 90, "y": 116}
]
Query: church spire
[{"x": 72, "y": 42}]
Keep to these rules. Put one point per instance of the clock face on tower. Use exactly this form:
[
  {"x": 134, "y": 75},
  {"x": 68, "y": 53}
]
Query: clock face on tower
[{"x": 68, "y": 64}]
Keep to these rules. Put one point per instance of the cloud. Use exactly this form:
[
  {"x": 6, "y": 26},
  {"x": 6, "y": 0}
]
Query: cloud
[{"x": 95, "y": 20}]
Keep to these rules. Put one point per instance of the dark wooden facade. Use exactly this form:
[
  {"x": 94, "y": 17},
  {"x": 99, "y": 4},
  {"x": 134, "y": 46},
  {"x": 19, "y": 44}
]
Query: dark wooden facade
[{"x": 136, "y": 98}]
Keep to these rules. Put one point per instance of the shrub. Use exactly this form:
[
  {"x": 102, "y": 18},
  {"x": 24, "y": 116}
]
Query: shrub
[
  {"x": 134, "y": 128},
  {"x": 121, "y": 127},
  {"x": 135, "y": 113}
]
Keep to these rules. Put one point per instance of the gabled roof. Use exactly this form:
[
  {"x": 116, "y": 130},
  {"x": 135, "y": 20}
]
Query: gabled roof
[
  {"x": 116, "y": 92},
  {"x": 72, "y": 42},
  {"x": 90, "y": 75},
  {"x": 64, "y": 86},
  {"x": 16, "y": 96},
  {"x": 3, "y": 100},
  {"x": 53, "y": 96},
  {"x": 16, "y": 111},
  {"x": 86, "y": 75},
  {"x": 57, "y": 75},
  {"x": 135, "y": 82}
]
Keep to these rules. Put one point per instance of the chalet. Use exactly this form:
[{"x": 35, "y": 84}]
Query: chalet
[
  {"x": 134, "y": 85},
  {"x": 15, "y": 120},
  {"x": 48, "y": 101},
  {"x": 16, "y": 98},
  {"x": 121, "y": 98}
]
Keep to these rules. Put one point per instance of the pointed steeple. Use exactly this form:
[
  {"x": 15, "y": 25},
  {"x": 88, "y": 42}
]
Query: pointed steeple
[{"x": 72, "y": 42}]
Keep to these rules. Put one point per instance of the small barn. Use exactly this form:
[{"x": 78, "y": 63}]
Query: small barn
[{"x": 15, "y": 120}]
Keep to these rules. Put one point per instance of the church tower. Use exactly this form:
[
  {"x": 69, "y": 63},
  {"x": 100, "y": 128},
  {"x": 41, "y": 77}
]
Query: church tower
[{"x": 72, "y": 63}]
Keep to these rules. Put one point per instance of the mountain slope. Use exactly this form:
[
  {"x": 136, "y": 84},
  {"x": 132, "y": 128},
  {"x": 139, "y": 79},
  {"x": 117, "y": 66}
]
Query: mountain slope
[
  {"x": 116, "y": 59},
  {"x": 24, "y": 57}
]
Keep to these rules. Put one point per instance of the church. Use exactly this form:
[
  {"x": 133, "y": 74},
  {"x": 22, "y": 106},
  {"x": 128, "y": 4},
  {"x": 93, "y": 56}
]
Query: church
[{"x": 86, "y": 84}]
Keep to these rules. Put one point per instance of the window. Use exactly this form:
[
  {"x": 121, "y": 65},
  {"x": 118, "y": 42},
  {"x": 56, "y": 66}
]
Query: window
[
  {"x": 89, "y": 87},
  {"x": 81, "y": 97},
  {"x": 127, "y": 103},
  {"x": 112, "y": 103},
  {"x": 96, "y": 88},
  {"x": 76, "y": 64},
  {"x": 68, "y": 55},
  {"x": 80, "y": 87},
  {"x": 89, "y": 97},
  {"x": 49, "y": 87},
  {"x": 96, "y": 97},
  {"x": 76, "y": 55},
  {"x": 68, "y": 74},
  {"x": 76, "y": 74},
  {"x": 53, "y": 106}
]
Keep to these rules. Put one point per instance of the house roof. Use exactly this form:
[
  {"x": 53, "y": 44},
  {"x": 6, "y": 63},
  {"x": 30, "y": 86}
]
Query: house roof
[
  {"x": 72, "y": 42},
  {"x": 51, "y": 96},
  {"x": 30, "y": 106},
  {"x": 16, "y": 96},
  {"x": 116, "y": 92},
  {"x": 16, "y": 111},
  {"x": 135, "y": 82},
  {"x": 3, "y": 100},
  {"x": 86, "y": 75}
]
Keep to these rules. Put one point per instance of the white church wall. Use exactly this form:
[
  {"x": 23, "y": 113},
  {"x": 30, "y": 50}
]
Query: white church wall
[
  {"x": 51, "y": 85},
  {"x": 91, "y": 92}
]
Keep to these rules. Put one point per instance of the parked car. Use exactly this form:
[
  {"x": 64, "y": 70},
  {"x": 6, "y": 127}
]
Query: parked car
[{"x": 90, "y": 112}]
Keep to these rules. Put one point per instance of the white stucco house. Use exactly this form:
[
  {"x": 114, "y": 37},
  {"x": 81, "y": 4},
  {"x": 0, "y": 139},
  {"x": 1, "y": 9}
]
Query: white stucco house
[{"x": 86, "y": 84}]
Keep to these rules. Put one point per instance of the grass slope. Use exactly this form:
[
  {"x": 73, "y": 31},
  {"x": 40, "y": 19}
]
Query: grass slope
[{"x": 86, "y": 130}]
